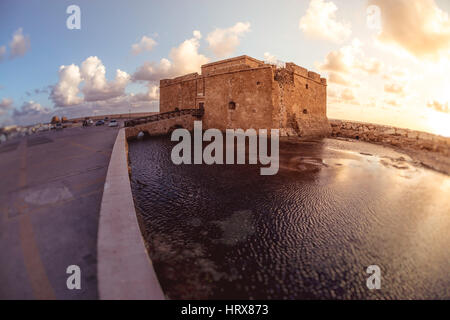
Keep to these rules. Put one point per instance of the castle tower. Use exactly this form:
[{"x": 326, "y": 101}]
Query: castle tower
[{"x": 244, "y": 93}]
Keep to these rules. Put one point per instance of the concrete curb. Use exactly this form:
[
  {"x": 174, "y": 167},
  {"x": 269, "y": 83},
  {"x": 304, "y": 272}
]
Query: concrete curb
[{"x": 124, "y": 269}]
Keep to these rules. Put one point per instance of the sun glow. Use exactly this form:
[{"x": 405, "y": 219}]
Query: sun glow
[{"x": 439, "y": 123}]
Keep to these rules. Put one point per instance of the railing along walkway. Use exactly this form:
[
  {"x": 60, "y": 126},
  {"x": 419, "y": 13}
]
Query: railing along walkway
[{"x": 165, "y": 115}]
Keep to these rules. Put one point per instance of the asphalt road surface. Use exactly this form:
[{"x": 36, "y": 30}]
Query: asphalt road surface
[{"x": 51, "y": 186}]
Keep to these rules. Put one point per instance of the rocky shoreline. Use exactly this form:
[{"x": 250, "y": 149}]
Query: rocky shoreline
[{"x": 426, "y": 149}]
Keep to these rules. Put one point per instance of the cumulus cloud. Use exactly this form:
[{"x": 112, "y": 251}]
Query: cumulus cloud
[
  {"x": 96, "y": 87},
  {"x": 370, "y": 65},
  {"x": 344, "y": 59},
  {"x": 65, "y": 92},
  {"x": 393, "y": 102},
  {"x": 335, "y": 61},
  {"x": 320, "y": 22},
  {"x": 438, "y": 106},
  {"x": 2, "y": 53},
  {"x": 419, "y": 27},
  {"x": 347, "y": 95},
  {"x": 19, "y": 44},
  {"x": 30, "y": 109},
  {"x": 269, "y": 58},
  {"x": 332, "y": 93},
  {"x": 151, "y": 95},
  {"x": 342, "y": 97},
  {"x": 183, "y": 59},
  {"x": 145, "y": 44},
  {"x": 223, "y": 42},
  {"x": 337, "y": 78},
  {"x": 394, "y": 88},
  {"x": 350, "y": 59},
  {"x": 197, "y": 34},
  {"x": 5, "y": 105},
  {"x": 151, "y": 71}
]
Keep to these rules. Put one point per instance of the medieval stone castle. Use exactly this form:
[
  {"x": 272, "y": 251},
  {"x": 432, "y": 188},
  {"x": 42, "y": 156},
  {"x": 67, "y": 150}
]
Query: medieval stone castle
[{"x": 245, "y": 93}]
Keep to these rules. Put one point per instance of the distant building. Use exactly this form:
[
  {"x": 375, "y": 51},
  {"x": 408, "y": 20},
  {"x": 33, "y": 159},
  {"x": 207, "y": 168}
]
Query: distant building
[
  {"x": 244, "y": 93},
  {"x": 55, "y": 119}
]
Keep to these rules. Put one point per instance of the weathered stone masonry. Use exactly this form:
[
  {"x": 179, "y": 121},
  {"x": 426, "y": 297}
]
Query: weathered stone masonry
[{"x": 245, "y": 93}]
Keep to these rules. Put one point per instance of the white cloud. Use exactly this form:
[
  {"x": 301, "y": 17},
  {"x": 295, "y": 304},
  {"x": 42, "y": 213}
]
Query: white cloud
[
  {"x": 223, "y": 42},
  {"x": 347, "y": 95},
  {"x": 145, "y": 44},
  {"x": 151, "y": 71},
  {"x": 5, "y": 105},
  {"x": 151, "y": 95},
  {"x": 394, "y": 88},
  {"x": 19, "y": 44},
  {"x": 320, "y": 21},
  {"x": 419, "y": 27},
  {"x": 96, "y": 87},
  {"x": 344, "y": 59},
  {"x": 392, "y": 102},
  {"x": 332, "y": 93},
  {"x": 337, "y": 78},
  {"x": 31, "y": 112},
  {"x": 335, "y": 61},
  {"x": 348, "y": 60},
  {"x": 183, "y": 59},
  {"x": 269, "y": 58},
  {"x": 370, "y": 65},
  {"x": 65, "y": 92},
  {"x": 2, "y": 53},
  {"x": 438, "y": 106},
  {"x": 197, "y": 34}
]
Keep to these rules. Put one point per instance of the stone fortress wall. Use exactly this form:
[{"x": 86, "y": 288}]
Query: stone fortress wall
[
  {"x": 244, "y": 93},
  {"x": 161, "y": 127},
  {"x": 300, "y": 100}
]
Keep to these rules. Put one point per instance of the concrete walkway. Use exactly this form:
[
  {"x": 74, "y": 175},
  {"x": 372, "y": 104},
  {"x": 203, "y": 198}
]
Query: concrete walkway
[{"x": 51, "y": 187}]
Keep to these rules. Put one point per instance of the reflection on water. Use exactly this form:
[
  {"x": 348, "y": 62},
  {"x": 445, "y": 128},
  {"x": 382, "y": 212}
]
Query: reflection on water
[{"x": 311, "y": 231}]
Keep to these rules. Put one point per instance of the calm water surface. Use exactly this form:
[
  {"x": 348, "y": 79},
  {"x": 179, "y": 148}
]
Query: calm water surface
[{"x": 309, "y": 232}]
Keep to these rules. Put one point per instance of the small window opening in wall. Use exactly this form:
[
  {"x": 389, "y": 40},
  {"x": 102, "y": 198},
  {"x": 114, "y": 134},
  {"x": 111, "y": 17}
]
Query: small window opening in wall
[
  {"x": 232, "y": 105},
  {"x": 305, "y": 111},
  {"x": 201, "y": 105},
  {"x": 258, "y": 83},
  {"x": 307, "y": 86}
]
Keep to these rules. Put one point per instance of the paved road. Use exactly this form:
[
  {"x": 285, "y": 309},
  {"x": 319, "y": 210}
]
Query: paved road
[{"x": 51, "y": 187}]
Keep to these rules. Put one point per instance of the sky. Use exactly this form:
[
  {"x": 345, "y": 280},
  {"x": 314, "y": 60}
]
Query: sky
[{"x": 386, "y": 61}]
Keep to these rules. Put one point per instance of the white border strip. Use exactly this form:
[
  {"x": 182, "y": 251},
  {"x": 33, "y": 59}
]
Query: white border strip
[{"x": 124, "y": 269}]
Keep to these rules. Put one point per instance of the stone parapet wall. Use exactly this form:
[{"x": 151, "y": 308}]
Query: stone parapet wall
[
  {"x": 161, "y": 127},
  {"x": 404, "y": 138}
]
